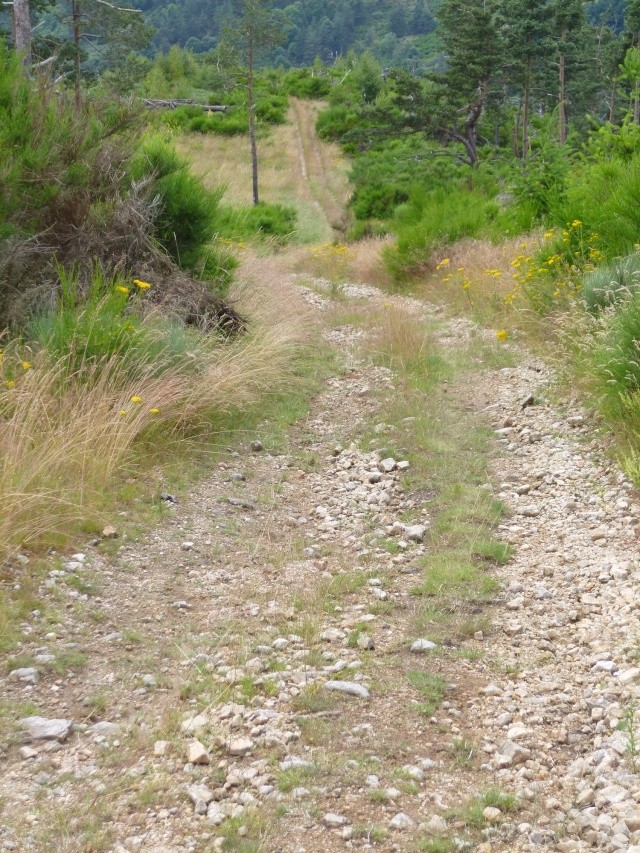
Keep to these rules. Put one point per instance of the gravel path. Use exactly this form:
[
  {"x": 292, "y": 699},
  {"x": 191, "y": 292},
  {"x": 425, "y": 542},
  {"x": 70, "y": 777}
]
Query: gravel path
[{"x": 239, "y": 678}]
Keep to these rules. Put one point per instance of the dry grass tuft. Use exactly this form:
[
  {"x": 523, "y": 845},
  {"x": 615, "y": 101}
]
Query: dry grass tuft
[
  {"x": 365, "y": 261},
  {"x": 402, "y": 338},
  {"x": 66, "y": 433}
]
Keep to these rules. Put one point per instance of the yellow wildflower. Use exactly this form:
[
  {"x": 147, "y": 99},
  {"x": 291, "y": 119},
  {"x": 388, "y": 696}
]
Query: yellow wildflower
[
  {"x": 443, "y": 263},
  {"x": 502, "y": 335},
  {"x": 122, "y": 289},
  {"x": 136, "y": 399},
  {"x": 154, "y": 411},
  {"x": 143, "y": 285},
  {"x": 123, "y": 412},
  {"x": 576, "y": 223},
  {"x": 548, "y": 235},
  {"x": 25, "y": 365},
  {"x": 10, "y": 383}
]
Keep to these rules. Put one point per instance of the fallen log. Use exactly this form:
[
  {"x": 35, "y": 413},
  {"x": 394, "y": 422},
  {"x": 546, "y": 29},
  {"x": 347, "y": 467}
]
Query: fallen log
[{"x": 173, "y": 104}]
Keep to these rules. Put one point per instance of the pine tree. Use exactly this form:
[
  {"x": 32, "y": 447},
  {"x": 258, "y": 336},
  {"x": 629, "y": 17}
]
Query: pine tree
[
  {"x": 571, "y": 44},
  {"x": 258, "y": 29},
  {"x": 526, "y": 28},
  {"x": 117, "y": 28},
  {"x": 474, "y": 53}
]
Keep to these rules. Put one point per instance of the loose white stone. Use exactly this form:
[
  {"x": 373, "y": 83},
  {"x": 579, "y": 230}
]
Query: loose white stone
[
  {"x": 422, "y": 645},
  {"x": 401, "y": 821},
  {"x": 333, "y": 820},
  {"x": 240, "y": 746},
  {"x": 41, "y": 728},
  {"x": 350, "y": 688},
  {"x": 197, "y": 753}
]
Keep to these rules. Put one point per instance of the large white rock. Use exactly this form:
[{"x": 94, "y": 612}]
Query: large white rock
[{"x": 40, "y": 728}]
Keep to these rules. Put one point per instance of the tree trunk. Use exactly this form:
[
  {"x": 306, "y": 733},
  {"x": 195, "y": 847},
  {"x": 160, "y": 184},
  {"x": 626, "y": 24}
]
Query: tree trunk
[
  {"x": 563, "y": 102},
  {"x": 636, "y": 92},
  {"x": 22, "y": 29},
  {"x": 525, "y": 112},
  {"x": 612, "y": 104},
  {"x": 75, "y": 16},
  {"x": 252, "y": 121}
]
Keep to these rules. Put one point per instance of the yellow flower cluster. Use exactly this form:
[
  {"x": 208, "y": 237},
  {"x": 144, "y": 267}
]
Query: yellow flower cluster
[
  {"x": 141, "y": 285},
  {"x": 232, "y": 244},
  {"x": 24, "y": 365},
  {"x": 137, "y": 401},
  {"x": 502, "y": 335},
  {"x": 329, "y": 250}
]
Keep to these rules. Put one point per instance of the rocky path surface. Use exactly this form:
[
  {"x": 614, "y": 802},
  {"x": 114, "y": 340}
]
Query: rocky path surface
[{"x": 245, "y": 676}]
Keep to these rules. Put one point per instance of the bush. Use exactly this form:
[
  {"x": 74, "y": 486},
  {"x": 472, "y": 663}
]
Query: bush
[
  {"x": 300, "y": 83},
  {"x": 188, "y": 218},
  {"x": 108, "y": 321},
  {"x": 603, "y": 196},
  {"x": 190, "y": 119},
  {"x": 434, "y": 219}
]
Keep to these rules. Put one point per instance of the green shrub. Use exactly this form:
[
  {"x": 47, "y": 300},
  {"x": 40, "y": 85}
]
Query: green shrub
[
  {"x": 300, "y": 83},
  {"x": 603, "y": 197},
  {"x": 335, "y": 122},
  {"x": 434, "y": 219},
  {"x": 190, "y": 119},
  {"x": 188, "y": 219},
  {"x": 539, "y": 183},
  {"x": 377, "y": 202}
]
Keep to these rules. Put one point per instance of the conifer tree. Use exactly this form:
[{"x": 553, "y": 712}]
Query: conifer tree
[
  {"x": 570, "y": 47},
  {"x": 258, "y": 29},
  {"x": 474, "y": 54},
  {"x": 526, "y": 27}
]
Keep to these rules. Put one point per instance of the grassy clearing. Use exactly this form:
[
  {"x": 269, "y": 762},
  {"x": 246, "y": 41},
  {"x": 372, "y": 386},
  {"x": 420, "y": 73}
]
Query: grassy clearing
[{"x": 296, "y": 170}]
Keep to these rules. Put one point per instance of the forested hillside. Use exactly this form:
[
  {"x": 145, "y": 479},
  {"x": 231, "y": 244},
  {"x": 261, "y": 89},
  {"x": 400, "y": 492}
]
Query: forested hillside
[{"x": 397, "y": 31}]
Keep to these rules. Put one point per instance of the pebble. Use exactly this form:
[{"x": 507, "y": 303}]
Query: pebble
[
  {"x": 27, "y": 674},
  {"x": 333, "y": 820},
  {"x": 197, "y": 753},
  {"x": 240, "y": 746},
  {"x": 416, "y": 532}
]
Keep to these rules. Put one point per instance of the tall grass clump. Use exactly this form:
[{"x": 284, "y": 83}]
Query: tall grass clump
[
  {"x": 616, "y": 359},
  {"x": 611, "y": 283},
  {"x": 71, "y": 421}
]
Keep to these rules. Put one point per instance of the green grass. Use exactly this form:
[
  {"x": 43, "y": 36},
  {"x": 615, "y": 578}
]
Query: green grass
[
  {"x": 471, "y": 813},
  {"x": 430, "y": 688},
  {"x": 295, "y": 777}
]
